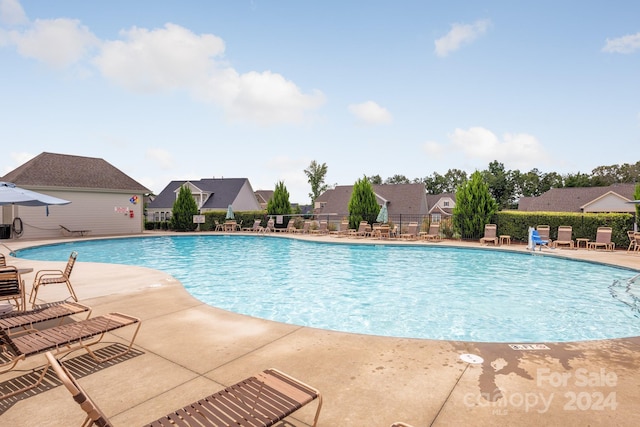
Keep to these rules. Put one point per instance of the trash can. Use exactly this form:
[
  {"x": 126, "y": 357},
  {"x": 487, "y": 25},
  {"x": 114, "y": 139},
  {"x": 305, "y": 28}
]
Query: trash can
[{"x": 5, "y": 231}]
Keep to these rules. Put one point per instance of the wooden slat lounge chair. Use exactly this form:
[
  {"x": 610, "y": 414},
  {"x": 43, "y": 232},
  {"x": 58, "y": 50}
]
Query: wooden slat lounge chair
[
  {"x": 291, "y": 226},
  {"x": 543, "y": 231},
  {"x": 19, "y": 322},
  {"x": 634, "y": 241},
  {"x": 342, "y": 230},
  {"x": 50, "y": 277},
  {"x": 564, "y": 237},
  {"x": 3, "y": 261},
  {"x": 433, "y": 234},
  {"x": 63, "y": 339},
  {"x": 261, "y": 400},
  {"x": 490, "y": 235},
  {"x": 256, "y": 226},
  {"x": 363, "y": 230},
  {"x": 412, "y": 231},
  {"x": 12, "y": 287},
  {"x": 603, "y": 239},
  {"x": 323, "y": 227},
  {"x": 74, "y": 232}
]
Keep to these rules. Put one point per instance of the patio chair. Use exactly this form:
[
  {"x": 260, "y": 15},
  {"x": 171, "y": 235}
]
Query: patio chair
[
  {"x": 564, "y": 236},
  {"x": 412, "y": 231},
  {"x": 50, "y": 277},
  {"x": 433, "y": 233},
  {"x": 261, "y": 400},
  {"x": 343, "y": 229},
  {"x": 19, "y": 322},
  {"x": 305, "y": 228},
  {"x": 256, "y": 226},
  {"x": 323, "y": 227},
  {"x": 364, "y": 229},
  {"x": 634, "y": 241},
  {"x": 538, "y": 241},
  {"x": 63, "y": 339},
  {"x": 3, "y": 261},
  {"x": 70, "y": 232},
  {"x": 12, "y": 287},
  {"x": 291, "y": 226},
  {"x": 490, "y": 234},
  {"x": 603, "y": 239}
]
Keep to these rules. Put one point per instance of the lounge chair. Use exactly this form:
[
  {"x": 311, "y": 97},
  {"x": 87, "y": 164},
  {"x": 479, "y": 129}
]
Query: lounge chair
[
  {"x": 538, "y": 241},
  {"x": 50, "y": 277},
  {"x": 603, "y": 239},
  {"x": 3, "y": 261},
  {"x": 322, "y": 227},
  {"x": 634, "y": 241},
  {"x": 364, "y": 229},
  {"x": 261, "y": 400},
  {"x": 12, "y": 287},
  {"x": 70, "y": 232},
  {"x": 412, "y": 231},
  {"x": 343, "y": 229},
  {"x": 490, "y": 234},
  {"x": 305, "y": 228},
  {"x": 564, "y": 237},
  {"x": 291, "y": 226},
  {"x": 433, "y": 233},
  {"x": 63, "y": 339},
  {"x": 256, "y": 226},
  {"x": 19, "y": 322}
]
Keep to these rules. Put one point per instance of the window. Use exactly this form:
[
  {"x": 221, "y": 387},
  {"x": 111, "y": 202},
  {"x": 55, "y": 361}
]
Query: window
[
  {"x": 445, "y": 203},
  {"x": 436, "y": 217}
]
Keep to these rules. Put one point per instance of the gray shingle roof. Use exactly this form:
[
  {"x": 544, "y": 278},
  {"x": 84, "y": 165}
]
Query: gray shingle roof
[
  {"x": 62, "y": 170},
  {"x": 571, "y": 199},
  {"x": 403, "y": 199},
  {"x": 223, "y": 192}
]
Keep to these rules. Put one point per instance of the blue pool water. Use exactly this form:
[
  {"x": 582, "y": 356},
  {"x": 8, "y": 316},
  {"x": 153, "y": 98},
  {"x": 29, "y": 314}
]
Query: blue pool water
[{"x": 419, "y": 292}]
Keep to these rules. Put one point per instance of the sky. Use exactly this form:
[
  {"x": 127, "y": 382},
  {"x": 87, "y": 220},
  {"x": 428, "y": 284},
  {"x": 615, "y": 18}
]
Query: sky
[{"x": 185, "y": 90}]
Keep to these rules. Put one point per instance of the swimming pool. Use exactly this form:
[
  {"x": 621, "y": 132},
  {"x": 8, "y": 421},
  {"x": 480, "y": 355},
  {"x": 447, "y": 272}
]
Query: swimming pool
[{"x": 428, "y": 292}]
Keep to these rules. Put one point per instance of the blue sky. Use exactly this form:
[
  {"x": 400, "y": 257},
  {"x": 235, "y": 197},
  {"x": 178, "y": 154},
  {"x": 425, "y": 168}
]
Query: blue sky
[{"x": 258, "y": 89}]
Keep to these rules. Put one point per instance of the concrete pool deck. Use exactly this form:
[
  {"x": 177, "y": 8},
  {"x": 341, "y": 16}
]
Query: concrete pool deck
[{"x": 186, "y": 350}]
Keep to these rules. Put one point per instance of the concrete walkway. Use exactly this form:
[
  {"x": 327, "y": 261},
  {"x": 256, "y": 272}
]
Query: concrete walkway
[{"x": 186, "y": 350}]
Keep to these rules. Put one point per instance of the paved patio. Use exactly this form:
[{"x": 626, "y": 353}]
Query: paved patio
[{"x": 186, "y": 350}]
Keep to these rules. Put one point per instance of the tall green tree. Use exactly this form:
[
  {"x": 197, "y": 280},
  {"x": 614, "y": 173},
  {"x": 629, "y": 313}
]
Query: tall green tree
[
  {"x": 316, "y": 174},
  {"x": 501, "y": 184},
  {"x": 474, "y": 207},
  {"x": 397, "y": 179},
  {"x": 279, "y": 203},
  {"x": 184, "y": 208},
  {"x": 375, "y": 179},
  {"x": 363, "y": 205}
]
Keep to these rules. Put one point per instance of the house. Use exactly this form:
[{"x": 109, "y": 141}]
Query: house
[
  {"x": 405, "y": 202},
  {"x": 104, "y": 200},
  {"x": 613, "y": 198},
  {"x": 263, "y": 197},
  {"x": 210, "y": 194},
  {"x": 441, "y": 206}
]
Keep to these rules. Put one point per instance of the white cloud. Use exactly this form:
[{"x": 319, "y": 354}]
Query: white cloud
[
  {"x": 151, "y": 60},
  {"x": 11, "y": 13},
  {"x": 161, "y": 157},
  {"x": 56, "y": 42},
  {"x": 624, "y": 44},
  {"x": 479, "y": 146},
  {"x": 176, "y": 58},
  {"x": 460, "y": 34},
  {"x": 370, "y": 113}
]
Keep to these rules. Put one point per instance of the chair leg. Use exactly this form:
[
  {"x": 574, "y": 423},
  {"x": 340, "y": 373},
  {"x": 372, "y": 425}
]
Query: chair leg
[{"x": 73, "y": 294}]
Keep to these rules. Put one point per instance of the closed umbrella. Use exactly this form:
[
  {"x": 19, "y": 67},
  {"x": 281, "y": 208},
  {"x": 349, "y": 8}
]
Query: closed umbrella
[
  {"x": 229, "y": 213},
  {"x": 383, "y": 215}
]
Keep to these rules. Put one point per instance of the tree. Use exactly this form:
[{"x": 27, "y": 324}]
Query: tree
[
  {"x": 397, "y": 179},
  {"x": 363, "y": 205},
  {"x": 316, "y": 174},
  {"x": 184, "y": 208},
  {"x": 279, "y": 203},
  {"x": 501, "y": 185},
  {"x": 375, "y": 179},
  {"x": 474, "y": 207}
]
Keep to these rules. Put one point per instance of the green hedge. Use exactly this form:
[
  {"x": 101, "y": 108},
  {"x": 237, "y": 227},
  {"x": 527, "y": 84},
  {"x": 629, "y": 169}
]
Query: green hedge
[{"x": 516, "y": 224}]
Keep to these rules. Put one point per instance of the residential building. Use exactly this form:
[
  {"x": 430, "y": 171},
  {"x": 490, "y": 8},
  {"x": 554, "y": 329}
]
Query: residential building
[
  {"x": 210, "y": 194},
  {"x": 441, "y": 206},
  {"x": 613, "y": 198}
]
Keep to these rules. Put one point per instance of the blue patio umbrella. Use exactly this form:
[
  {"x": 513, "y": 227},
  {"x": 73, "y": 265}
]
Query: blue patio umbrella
[
  {"x": 383, "y": 215},
  {"x": 229, "y": 213}
]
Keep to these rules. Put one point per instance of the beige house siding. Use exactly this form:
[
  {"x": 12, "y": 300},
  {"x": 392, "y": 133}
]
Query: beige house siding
[
  {"x": 609, "y": 202},
  {"x": 102, "y": 212}
]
